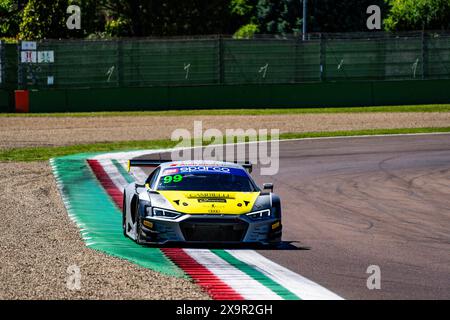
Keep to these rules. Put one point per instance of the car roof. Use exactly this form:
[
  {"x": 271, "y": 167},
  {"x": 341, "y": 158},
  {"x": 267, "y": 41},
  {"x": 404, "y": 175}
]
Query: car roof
[{"x": 188, "y": 163}]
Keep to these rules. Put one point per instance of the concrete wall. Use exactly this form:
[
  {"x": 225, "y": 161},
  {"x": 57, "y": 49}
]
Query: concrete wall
[{"x": 328, "y": 94}]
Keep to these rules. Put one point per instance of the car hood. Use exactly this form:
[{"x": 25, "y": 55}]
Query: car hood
[{"x": 195, "y": 202}]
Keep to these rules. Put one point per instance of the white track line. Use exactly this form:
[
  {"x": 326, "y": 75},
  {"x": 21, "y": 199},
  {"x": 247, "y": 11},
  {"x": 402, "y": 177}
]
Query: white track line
[
  {"x": 365, "y": 136},
  {"x": 242, "y": 283},
  {"x": 114, "y": 173},
  {"x": 140, "y": 175},
  {"x": 126, "y": 155},
  {"x": 297, "y": 284},
  {"x": 123, "y": 157},
  {"x": 136, "y": 172}
]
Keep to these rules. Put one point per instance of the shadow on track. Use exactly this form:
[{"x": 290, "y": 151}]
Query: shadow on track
[{"x": 284, "y": 245}]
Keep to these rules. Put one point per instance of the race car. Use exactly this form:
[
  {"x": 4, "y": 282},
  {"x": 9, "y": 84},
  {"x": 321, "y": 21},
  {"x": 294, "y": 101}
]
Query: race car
[{"x": 200, "y": 202}]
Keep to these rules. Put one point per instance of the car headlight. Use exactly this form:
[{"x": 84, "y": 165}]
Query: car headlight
[
  {"x": 259, "y": 215},
  {"x": 162, "y": 213}
]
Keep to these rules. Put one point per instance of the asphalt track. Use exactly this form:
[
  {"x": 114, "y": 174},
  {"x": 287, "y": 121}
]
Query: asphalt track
[{"x": 350, "y": 203}]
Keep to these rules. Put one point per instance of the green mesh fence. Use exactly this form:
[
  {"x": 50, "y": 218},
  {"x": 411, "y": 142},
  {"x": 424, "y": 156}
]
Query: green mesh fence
[
  {"x": 144, "y": 63},
  {"x": 270, "y": 61},
  {"x": 2, "y": 61},
  {"x": 8, "y": 65},
  {"x": 221, "y": 60},
  {"x": 438, "y": 58}
]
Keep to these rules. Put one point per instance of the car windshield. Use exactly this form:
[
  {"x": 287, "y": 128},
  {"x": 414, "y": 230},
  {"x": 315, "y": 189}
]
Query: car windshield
[{"x": 206, "y": 179}]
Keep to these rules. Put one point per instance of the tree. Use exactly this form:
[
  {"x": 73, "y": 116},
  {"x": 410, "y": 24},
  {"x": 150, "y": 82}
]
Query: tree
[
  {"x": 168, "y": 18},
  {"x": 43, "y": 20},
  {"x": 342, "y": 16},
  {"x": 47, "y": 19},
  {"x": 136, "y": 18},
  {"x": 286, "y": 16},
  {"x": 93, "y": 19},
  {"x": 418, "y": 15},
  {"x": 9, "y": 18},
  {"x": 279, "y": 17},
  {"x": 246, "y": 10}
]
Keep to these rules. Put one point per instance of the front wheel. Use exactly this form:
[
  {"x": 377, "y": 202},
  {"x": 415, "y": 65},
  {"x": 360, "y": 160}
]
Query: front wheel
[
  {"x": 138, "y": 232},
  {"x": 124, "y": 216},
  {"x": 139, "y": 238}
]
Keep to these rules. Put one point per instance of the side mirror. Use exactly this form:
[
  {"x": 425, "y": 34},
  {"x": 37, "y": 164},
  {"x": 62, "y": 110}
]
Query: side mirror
[{"x": 268, "y": 186}]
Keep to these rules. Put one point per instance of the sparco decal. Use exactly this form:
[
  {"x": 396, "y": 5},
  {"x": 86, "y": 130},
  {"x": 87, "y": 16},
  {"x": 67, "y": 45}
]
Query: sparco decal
[{"x": 205, "y": 169}]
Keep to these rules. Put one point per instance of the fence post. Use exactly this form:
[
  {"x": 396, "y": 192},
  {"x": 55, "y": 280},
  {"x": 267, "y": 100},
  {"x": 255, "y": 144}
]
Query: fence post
[
  {"x": 382, "y": 52},
  {"x": 19, "y": 66},
  {"x": 322, "y": 58},
  {"x": 424, "y": 55},
  {"x": 2, "y": 68},
  {"x": 120, "y": 63},
  {"x": 296, "y": 77},
  {"x": 221, "y": 61}
]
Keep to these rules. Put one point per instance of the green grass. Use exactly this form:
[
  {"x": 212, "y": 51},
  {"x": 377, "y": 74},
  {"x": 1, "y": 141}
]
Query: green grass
[
  {"x": 412, "y": 108},
  {"x": 45, "y": 153},
  {"x": 366, "y": 132}
]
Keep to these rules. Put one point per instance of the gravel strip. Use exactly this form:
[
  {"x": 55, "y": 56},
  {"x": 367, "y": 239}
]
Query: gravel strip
[
  {"x": 38, "y": 243},
  {"x": 47, "y": 131}
]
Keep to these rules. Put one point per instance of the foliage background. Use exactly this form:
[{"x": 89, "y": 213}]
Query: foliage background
[{"x": 40, "y": 19}]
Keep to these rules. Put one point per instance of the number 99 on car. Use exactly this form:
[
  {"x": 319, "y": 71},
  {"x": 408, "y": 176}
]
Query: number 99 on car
[{"x": 175, "y": 178}]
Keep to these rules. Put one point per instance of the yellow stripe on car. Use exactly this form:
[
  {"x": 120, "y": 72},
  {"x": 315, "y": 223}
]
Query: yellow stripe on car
[{"x": 211, "y": 202}]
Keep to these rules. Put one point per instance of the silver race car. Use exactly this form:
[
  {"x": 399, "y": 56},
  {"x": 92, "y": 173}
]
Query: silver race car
[{"x": 200, "y": 202}]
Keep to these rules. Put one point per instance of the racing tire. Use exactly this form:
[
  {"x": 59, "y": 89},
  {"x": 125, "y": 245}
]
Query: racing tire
[
  {"x": 124, "y": 216},
  {"x": 137, "y": 220},
  {"x": 138, "y": 232}
]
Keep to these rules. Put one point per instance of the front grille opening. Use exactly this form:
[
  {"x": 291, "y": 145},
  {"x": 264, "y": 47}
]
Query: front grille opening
[{"x": 214, "y": 231}]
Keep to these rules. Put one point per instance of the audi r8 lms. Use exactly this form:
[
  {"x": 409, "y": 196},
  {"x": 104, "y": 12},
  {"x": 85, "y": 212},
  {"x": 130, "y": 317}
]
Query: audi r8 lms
[{"x": 202, "y": 201}]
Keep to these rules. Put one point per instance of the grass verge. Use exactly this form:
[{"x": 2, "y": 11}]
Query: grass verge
[
  {"x": 45, "y": 153},
  {"x": 214, "y": 112}
]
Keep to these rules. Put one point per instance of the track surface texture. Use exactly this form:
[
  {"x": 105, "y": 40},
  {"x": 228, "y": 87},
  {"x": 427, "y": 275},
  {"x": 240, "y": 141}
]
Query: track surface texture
[
  {"x": 349, "y": 203},
  {"x": 368, "y": 201}
]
